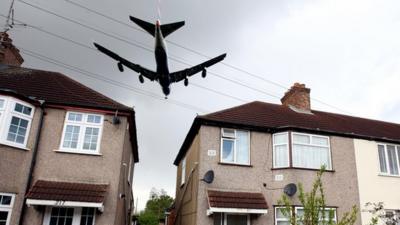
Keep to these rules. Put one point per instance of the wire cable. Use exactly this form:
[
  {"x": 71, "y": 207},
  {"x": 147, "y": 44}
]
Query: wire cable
[
  {"x": 109, "y": 81},
  {"x": 198, "y": 53}
]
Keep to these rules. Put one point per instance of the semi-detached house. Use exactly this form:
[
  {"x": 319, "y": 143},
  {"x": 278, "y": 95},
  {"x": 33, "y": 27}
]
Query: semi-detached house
[
  {"x": 67, "y": 152},
  {"x": 256, "y": 149}
]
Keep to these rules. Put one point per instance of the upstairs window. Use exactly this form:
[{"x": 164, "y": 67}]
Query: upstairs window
[
  {"x": 235, "y": 146},
  {"x": 15, "y": 121},
  {"x": 6, "y": 204},
  {"x": 282, "y": 219},
  {"x": 82, "y": 133},
  {"x": 183, "y": 172},
  {"x": 302, "y": 151},
  {"x": 389, "y": 159}
]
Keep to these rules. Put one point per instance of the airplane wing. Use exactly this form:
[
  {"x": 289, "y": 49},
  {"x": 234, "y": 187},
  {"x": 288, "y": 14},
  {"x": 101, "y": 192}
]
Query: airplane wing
[
  {"x": 180, "y": 75},
  {"x": 135, "y": 67}
]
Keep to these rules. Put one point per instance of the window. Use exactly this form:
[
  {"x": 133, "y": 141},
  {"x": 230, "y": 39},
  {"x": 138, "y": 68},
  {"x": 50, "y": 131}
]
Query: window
[
  {"x": 392, "y": 217},
  {"x": 304, "y": 150},
  {"x": 231, "y": 219},
  {"x": 235, "y": 146},
  {"x": 183, "y": 172},
  {"x": 6, "y": 204},
  {"x": 281, "y": 150},
  {"x": 82, "y": 133},
  {"x": 281, "y": 219},
  {"x": 15, "y": 121},
  {"x": 389, "y": 159},
  {"x": 69, "y": 216}
]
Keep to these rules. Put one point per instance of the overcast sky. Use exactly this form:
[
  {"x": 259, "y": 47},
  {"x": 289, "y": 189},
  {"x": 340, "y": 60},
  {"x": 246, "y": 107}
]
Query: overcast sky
[{"x": 346, "y": 51}]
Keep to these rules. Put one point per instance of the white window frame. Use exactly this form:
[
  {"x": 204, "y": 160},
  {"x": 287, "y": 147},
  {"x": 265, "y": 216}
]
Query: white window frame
[
  {"x": 76, "y": 217},
  {"x": 83, "y": 125},
  {"x": 7, "y": 208},
  {"x": 313, "y": 145},
  {"x": 397, "y": 150},
  {"x": 7, "y": 113},
  {"x": 234, "y": 147},
  {"x": 295, "y": 211},
  {"x": 183, "y": 171},
  {"x": 224, "y": 220},
  {"x": 290, "y": 144},
  {"x": 287, "y": 149}
]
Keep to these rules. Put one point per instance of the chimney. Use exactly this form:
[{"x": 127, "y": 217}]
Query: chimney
[
  {"x": 9, "y": 54},
  {"x": 297, "y": 98}
]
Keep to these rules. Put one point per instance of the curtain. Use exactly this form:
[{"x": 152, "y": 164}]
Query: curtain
[
  {"x": 242, "y": 147},
  {"x": 310, "y": 156}
]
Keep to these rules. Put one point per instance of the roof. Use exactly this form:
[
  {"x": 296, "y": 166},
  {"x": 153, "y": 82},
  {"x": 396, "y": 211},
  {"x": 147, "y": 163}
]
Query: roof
[
  {"x": 238, "y": 200},
  {"x": 267, "y": 117},
  {"x": 59, "y": 89},
  {"x": 64, "y": 191}
]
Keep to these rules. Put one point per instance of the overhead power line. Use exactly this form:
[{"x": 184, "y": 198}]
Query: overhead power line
[
  {"x": 197, "y": 52},
  {"x": 144, "y": 47},
  {"x": 93, "y": 49},
  {"x": 137, "y": 44},
  {"x": 110, "y": 81}
]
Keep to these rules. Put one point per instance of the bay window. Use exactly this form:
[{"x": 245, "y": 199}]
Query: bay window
[
  {"x": 235, "y": 146},
  {"x": 82, "y": 133},
  {"x": 15, "y": 121},
  {"x": 389, "y": 159},
  {"x": 302, "y": 151},
  {"x": 69, "y": 216},
  {"x": 6, "y": 204}
]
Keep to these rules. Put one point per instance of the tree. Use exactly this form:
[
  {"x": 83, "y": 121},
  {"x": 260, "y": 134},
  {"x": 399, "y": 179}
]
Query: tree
[
  {"x": 315, "y": 211},
  {"x": 155, "y": 207},
  {"x": 379, "y": 213}
]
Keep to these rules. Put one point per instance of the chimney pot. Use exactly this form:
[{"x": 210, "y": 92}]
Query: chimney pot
[
  {"x": 9, "y": 54},
  {"x": 298, "y": 96}
]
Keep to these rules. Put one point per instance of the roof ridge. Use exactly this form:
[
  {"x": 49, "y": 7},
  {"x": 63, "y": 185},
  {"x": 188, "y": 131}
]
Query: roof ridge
[{"x": 228, "y": 109}]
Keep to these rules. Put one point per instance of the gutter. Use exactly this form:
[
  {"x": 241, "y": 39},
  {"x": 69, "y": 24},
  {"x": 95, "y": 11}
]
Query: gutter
[{"x": 33, "y": 161}]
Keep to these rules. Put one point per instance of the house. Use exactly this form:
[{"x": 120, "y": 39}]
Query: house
[
  {"x": 67, "y": 152},
  {"x": 256, "y": 149}
]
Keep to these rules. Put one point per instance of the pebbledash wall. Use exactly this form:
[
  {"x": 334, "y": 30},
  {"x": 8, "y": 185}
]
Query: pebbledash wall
[
  {"x": 373, "y": 186},
  {"x": 106, "y": 168},
  {"x": 341, "y": 186}
]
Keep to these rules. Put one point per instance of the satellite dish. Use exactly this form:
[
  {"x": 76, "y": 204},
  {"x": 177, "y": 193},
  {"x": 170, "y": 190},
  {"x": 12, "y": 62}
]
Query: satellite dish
[
  {"x": 290, "y": 189},
  {"x": 209, "y": 177}
]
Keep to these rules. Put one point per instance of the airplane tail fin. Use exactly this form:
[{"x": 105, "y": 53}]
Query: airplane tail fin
[
  {"x": 149, "y": 27},
  {"x": 166, "y": 29}
]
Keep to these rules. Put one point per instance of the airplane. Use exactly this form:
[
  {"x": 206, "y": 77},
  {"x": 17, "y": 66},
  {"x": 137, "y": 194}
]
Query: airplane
[{"x": 162, "y": 74}]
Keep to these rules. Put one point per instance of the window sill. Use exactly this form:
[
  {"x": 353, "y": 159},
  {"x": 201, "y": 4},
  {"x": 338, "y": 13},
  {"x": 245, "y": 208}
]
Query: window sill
[
  {"x": 78, "y": 152},
  {"x": 388, "y": 175},
  {"x": 300, "y": 168},
  {"x": 234, "y": 164},
  {"x": 15, "y": 146}
]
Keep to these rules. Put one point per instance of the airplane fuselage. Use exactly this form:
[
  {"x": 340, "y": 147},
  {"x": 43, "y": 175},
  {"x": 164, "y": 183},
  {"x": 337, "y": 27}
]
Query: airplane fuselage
[{"x": 161, "y": 56}]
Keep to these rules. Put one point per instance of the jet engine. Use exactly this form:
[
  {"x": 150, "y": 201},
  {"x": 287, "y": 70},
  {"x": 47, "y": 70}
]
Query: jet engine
[
  {"x": 186, "y": 82},
  {"x": 141, "y": 79},
  {"x": 120, "y": 67},
  {"x": 204, "y": 73}
]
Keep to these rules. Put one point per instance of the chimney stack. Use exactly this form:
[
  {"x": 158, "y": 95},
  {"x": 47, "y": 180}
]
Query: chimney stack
[
  {"x": 298, "y": 96},
  {"x": 9, "y": 54}
]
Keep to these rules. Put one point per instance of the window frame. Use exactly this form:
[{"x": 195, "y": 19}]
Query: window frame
[
  {"x": 234, "y": 147},
  {"x": 7, "y": 113},
  {"x": 397, "y": 157},
  {"x": 290, "y": 144},
  {"x": 183, "y": 171},
  {"x": 8, "y": 208},
  {"x": 82, "y": 130},
  {"x": 312, "y": 145},
  {"x": 77, "y": 216},
  {"x": 288, "y": 150},
  {"x": 224, "y": 220},
  {"x": 295, "y": 209}
]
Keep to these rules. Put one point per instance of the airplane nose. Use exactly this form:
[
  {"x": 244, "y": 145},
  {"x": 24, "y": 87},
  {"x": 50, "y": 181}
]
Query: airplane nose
[{"x": 166, "y": 91}]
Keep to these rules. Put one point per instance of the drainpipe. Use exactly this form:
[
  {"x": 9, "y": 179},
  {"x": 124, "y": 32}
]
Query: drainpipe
[{"x": 33, "y": 161}]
